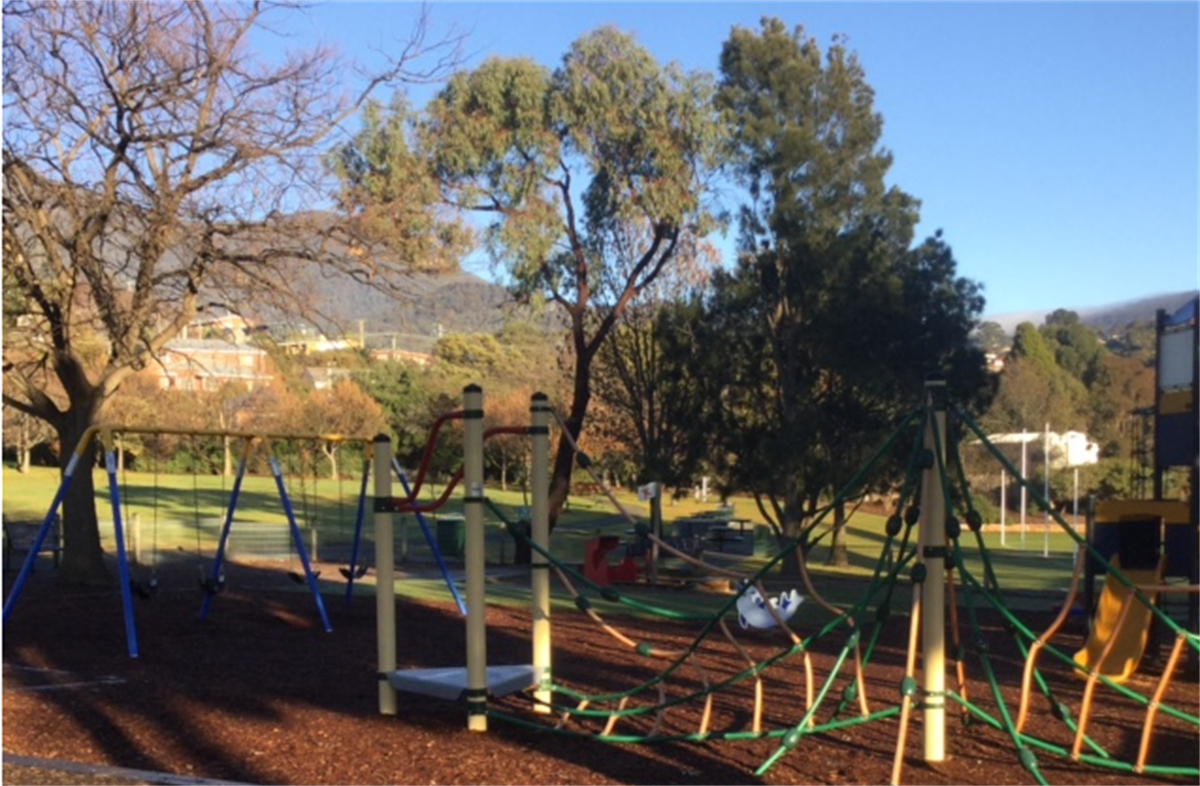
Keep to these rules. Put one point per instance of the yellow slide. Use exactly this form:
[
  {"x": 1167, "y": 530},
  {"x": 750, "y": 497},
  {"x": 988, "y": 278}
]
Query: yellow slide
[{"x": 1129, "y": 640}]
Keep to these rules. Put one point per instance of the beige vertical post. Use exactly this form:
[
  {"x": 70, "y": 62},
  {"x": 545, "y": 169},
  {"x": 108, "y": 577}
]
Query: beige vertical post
[
  {"x": 932, "y": 538},
  {"x": 539, "y": 572},
  {"x": 135, "y": 528},
  {"x": 385, "y": 574},
  {"x": 474, "y": 558}
]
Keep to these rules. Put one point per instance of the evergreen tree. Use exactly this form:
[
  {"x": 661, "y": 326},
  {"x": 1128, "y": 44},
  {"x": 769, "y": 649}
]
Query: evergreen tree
[
  {"x": 837, "y": 317},
  {"x": 592, "y": 179}
]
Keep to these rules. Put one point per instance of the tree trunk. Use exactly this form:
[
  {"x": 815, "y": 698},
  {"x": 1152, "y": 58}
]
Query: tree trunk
[
  {"x": 564, "y": 458},
  {"x": 23, "y": 445},
  {"x": 82, "y": 557},
  {"x": 839, "y": 557},
  {"x": 331, "y": 454},
  {"x": 793, "y": 527}
]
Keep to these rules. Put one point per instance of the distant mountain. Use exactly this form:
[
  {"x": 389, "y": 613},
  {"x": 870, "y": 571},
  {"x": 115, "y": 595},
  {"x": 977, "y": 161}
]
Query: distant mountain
[
  {"x": 1119, "y": 315},
  {"x": 423, "y": 305},
  {"x": 1106, "y": 317}
]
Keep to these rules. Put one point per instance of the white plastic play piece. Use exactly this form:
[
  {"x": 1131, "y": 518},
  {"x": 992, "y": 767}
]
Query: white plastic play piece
[{"x": 753, "y": 611}]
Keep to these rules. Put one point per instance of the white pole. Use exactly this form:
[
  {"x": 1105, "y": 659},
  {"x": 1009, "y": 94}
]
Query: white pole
[
  {"x": 474, "y": 558},
  {"x": 539, "y": 409},
  {"x": 385, "y": 577},
  {"x": 1075, "y": 508},
  {"x": 1003, "y": 504},
  {"x": 932, "y": 540},
  {"x": 1046, "y": 496},
  {"x": 1024, "y": 475}
]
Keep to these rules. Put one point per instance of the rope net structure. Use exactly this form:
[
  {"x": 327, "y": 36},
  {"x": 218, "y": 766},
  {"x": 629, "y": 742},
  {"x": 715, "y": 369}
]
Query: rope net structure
[{"x": 719, "y": 660}]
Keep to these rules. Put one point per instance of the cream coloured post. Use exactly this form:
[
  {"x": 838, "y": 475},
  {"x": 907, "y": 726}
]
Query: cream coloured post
[
  {"x": 385, "y": 574},
  {"x": 477, "y": 685},
  {"x": 932, "y": 539},
  {"x": 539, "y": 409}
]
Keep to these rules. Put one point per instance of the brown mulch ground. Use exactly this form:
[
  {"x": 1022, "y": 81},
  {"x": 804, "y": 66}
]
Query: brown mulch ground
[{"x": 260, "y": 694}]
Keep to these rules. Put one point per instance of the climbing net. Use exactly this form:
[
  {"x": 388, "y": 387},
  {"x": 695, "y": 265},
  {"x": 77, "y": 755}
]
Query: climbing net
[{"x": 721, "y": 660}]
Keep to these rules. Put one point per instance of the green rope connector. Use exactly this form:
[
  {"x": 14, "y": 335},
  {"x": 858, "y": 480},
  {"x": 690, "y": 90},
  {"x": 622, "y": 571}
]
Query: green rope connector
[
  {"x": 792, "y": 738},
  {"x": 582, "y": 459},
  {"x": 1028, "y": 760},
  {"x": 1061, "y": 712},
  {"x": 850, "y": 693},
  {"x": 610, "y": 594},
  {"x": 925, "y": 459},
  {"x": 953, "y": 528},
  {"x": 853, "y": 638},
  {"x": 974, "y": 520},
  {"x": 918, "y": 573},
  {"x": 908, "y": 687},
  {"x": 894, "y": 524},
  {"x": 912, "y": 515},
  {"x": 582, "y": 603},
  {"x": 645, "y": 649},
  {"x": 642, "y": 529}
]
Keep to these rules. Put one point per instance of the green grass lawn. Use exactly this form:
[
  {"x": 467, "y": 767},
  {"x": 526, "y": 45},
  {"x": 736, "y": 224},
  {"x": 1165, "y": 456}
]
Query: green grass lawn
[{"x": 176, "y": 513}]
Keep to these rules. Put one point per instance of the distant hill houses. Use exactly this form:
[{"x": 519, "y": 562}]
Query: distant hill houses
[
  {"x": 215, "y": 350},
  {"x": 1070, "y": 449},
  {"x": 205, "y": 364}
]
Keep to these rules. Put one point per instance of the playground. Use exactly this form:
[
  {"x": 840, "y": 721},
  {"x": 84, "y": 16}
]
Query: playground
[
  {"x": 261, "y": 694},
  {"x": 695, "y": 656}
]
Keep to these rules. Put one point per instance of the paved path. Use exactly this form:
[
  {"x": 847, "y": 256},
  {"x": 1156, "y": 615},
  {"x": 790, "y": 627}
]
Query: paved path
[{"x": 30, "y": 770}]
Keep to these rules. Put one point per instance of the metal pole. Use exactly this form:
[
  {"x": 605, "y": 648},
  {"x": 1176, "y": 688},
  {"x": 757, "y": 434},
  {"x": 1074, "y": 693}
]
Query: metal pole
[
  {"x": 385, "y": 574},
  {"x": 932, "y": 539},
  {"x": 1075, "y": 508},
  {"x": 656, "y": 529},
  {"x": 474, "y": 558},
  {"x": 1024, "y": 475},
  {"x": 539, "y": 573},
  {"x": 1046, "y": 494},
  {"x": 1003, "y": 505},
  {"x": 110, "y": 465}
]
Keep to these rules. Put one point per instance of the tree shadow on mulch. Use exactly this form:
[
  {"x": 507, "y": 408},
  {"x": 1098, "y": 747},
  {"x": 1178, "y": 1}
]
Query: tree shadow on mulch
[
  {"x": 259, "y": 682},
  {"x": 259, "y": 693}
]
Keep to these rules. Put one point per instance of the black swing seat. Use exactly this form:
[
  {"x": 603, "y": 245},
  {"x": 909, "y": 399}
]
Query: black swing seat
[
  {"x": 213, "y": 586},
  {"x": 146, "y": 590},
  {"x": 358, "y": 572},
  {"x": 299, "y": 577}
]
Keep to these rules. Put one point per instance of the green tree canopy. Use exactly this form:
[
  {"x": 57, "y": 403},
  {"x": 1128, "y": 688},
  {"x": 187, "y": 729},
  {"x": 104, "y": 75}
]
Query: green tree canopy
[
  {"x": 991, "y": 337},
  {"x": 1076, "y": 347},
  {"x": 590, "y": 180},
  {"x": 832, "y": 318}
]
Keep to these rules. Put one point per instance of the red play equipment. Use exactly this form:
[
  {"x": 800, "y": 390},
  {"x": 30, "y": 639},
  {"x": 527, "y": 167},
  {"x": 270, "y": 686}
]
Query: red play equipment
[{"x": 596, "y": 567}]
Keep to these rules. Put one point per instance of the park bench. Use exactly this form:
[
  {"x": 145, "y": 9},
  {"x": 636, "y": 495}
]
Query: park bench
[
  {"x": 253, "y": 540},
  {"x": 19, "y": 537}
]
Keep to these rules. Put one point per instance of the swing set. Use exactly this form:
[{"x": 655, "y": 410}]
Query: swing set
[{"x": 212, "y": 581}]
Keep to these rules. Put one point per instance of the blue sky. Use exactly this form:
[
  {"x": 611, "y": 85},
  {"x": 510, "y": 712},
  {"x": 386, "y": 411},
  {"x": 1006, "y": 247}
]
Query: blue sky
[{"x": 1056, "y": 144}]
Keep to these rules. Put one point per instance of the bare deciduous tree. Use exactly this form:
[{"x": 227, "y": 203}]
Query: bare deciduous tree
[{"x": 156, "y": 166}]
